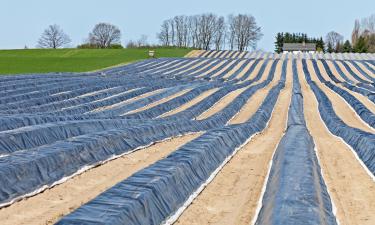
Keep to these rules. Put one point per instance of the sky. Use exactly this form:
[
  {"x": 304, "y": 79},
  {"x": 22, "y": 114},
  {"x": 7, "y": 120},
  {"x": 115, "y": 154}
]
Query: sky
[{"x": 22, "y": 21}]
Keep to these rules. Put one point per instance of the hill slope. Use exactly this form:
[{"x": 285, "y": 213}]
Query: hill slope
[{"x": 74, "y": 60}]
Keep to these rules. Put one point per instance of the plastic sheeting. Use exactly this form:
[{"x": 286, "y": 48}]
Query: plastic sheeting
[
  {"x": 155, "y": 193},
  {"x": 54, "y": 150},
  {"x": 295, "y": 191},
  {"x": 362, "y": 142}
]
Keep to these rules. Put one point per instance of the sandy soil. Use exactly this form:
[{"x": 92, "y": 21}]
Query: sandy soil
[
  {"x": 47, "y": 207},
  {"x": 202, "y": 68},
  {"x": 232, "y": 197},
  {"x": 127, "y": 101},
  {"x": 161, "y": 67},
  {"x": 342, "y": 109},
  {"x": 336, "y": 74},
  {"x": 256, "y": 70},
  {"x": 221, "y": 104},
  {"x": 256, "y": 100},
  {"x": 355, "y": 70},
  {"x": 193, "y": 67},
  {"x": 361, "y": 98},
  {"x": 237, "y": 67},
  {"x": 186, "y": 65},
  {"x": 223, "y": 69},
  {"x": 160, "y": 101},
  {"x": 213, "y": 68},
  {"x": 350, "y": 187},
  {"x": 345, "y": 71},
  {"x": 190, "y": 103},
  {"x": 364, "y": 68},
  {"x": 247, "y": 67},
  {"x": 372, "y": 66}
]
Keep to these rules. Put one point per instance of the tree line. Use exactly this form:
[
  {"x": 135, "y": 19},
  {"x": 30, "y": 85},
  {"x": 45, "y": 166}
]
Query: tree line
[
  {"x": 362, "y": 39},
  {"x": 210, "y": 31}
]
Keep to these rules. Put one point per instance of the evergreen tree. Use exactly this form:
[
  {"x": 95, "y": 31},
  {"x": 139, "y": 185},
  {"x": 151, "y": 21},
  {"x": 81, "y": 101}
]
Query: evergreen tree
[
  {"x": 347, "y": 47},
  {"x": 279, "y": 43},
  {"x": 360, "y": 45},
  {"x": 320, "y": 46}
]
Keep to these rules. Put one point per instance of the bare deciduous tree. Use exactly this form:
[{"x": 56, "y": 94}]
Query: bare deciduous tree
[
  {"x": 220, "y": 30},
  {"x": 104, "y": 35},
  {"x": 53, "y": 37},
  {"x": 243, "y": 32},
  {"x": 335, "y": 40},
  {"x": 355, "y": 32},
  {"x": 165, "y": 33},
  {"x": 206, "y": 31},
  {"x": 142, "y": 41}
]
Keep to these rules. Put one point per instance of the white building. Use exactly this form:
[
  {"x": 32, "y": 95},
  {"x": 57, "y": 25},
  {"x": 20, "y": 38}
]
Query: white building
[{"x": 299, "y": 47}]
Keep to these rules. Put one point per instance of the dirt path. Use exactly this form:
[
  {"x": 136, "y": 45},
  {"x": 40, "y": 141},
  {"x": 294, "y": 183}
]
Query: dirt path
[
  {"x": 232, "y": 197},
  {"x": 190, "y": 103},
  {"x": 237, "y": 67},
  {"x": 48, "y": 206},
  {"x": 350, "y": 187},
  {"x": 342, "y": 109}
]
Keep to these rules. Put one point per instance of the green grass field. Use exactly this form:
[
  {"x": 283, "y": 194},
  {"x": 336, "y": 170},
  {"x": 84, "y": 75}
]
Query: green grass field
[{"x": 74, "y": 60}]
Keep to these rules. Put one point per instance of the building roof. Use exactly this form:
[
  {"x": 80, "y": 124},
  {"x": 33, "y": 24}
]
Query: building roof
[{"x": 299, "y": 47}]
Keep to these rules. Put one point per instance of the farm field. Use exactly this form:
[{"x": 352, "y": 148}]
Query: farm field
[
  {"x": 74, "y": 60},
  {"x": 216, "y": 137}
]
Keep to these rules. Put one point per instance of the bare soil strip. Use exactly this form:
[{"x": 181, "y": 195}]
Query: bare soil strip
[
  {"x": 256, "y": 100},
  {"x": 204, "y": 67},
  {"x": 213, "y": 68},
  {"x": 350, "y": 187},
  {"x": 221, "y": 104},
  {"x": 346, "y": 72},
  {"x": 145, "y": 95},
  {"x": 190, "y": 103},
  {"x": 223, "y": 69},
  {"x": 237, "y": 67},
  {"x": 232, "y": 197},
  {"x": 364, "y": 68},
  {"x": 186, "y": 65},
  {"x": 52, "y": 204},
  {"x": 256, "y": 70},
  {"x": 247, "y": 67},
  {"x": 192, "y": 67},
  {"x": 335, "y": 73},
  {"x": 355, "y": 70},
  {"x": 361, "y": 98},
  {"x": 160, "y": 101},
  {"x": 341, "y": 107}
]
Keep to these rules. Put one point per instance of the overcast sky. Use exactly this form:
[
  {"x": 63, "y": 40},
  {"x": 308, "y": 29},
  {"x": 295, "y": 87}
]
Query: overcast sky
[{"x": 22, "y": 21}]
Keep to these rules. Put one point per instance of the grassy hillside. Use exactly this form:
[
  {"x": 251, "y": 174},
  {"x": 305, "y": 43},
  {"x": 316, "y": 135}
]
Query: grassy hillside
[{"x": 74, "y": 60}]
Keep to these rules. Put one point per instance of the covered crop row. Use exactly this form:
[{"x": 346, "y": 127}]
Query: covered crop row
[
  {"x": 53, "y": 151},
  {"x": 362, "y": 142},
  {"x": 156, "y": 193},
  {"x": 295, "y": 189}
]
